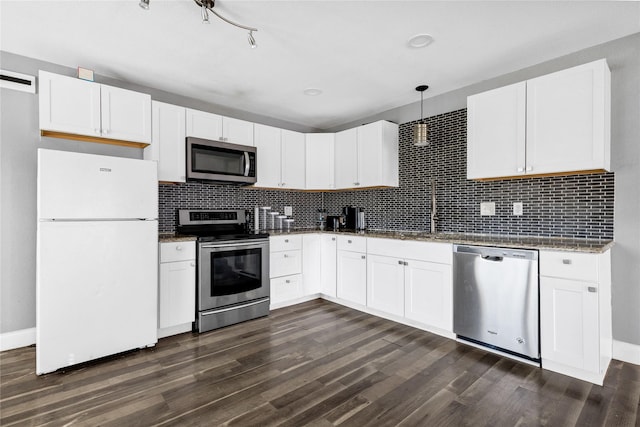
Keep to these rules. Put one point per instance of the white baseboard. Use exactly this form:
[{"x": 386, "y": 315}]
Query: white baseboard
[
  {"x": 626, "y": 352},
  {"x": 17, "y": 339}
]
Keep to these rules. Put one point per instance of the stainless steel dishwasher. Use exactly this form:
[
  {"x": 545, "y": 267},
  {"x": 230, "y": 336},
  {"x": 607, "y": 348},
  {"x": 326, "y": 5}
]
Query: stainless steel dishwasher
[{"x": 495, "y": 299}]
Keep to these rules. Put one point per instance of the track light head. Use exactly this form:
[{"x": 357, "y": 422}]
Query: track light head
[{"x": 144, "y": 4}]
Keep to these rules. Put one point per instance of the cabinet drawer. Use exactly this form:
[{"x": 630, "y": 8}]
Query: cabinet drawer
[
  {"x": 286, "y": 288},
  {"x": 285, "y": 243},
  {"x": 285, "y": 263},
  {"x": 441, "y": 253},
  {"x": 352, "y": 243},
  {"x": 177, "y": 251},
  {"x": 569, "y": 265}
]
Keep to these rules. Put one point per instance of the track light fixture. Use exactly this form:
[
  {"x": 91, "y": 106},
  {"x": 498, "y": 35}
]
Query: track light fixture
[{"x": 207, "y": 6}]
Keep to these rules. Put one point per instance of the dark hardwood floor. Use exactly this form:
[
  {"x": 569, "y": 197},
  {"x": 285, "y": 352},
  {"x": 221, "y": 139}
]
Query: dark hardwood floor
[{"x": 316, "y": 364}]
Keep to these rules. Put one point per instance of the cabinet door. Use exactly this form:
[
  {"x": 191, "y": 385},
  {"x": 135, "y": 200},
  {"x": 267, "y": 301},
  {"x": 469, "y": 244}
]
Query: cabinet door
[
  {"x": 496, "y": 132},
  {"x": 569, "y": 323},
  {"x": 286, "y": 288},
  {"x": 126, "y": 115},
  {"x": 369, "y": 155},
  {"x": 428, "y": 294},
  {"x": 69, "y": 105},
  {"x": 346, "y": 159},
  {"x": 237, "y": 131},
  {"x": 568, "y": 120},
  {"x": 204, "y": 125},
  {"x": 177, "y": 293},
  {"x": 167, "y": 141},
  {"x": 267, "y": 142},
  {"x": 293, "y": 160},
  {"x": 352, "y": 277},
  {"x": 320, "y": 161},
  {"x": 385, "y": 284},
  {"x": 328, "y": 264},
  {"x": 311, "y": 268}
]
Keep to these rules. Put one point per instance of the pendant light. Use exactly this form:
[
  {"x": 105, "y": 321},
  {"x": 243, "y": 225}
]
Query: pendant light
[{"x": 420, "y": 129}]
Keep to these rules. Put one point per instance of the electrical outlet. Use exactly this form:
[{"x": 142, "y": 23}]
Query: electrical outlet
[
  {"x": 288, "y": 210},
  {"x": 487, "y": 208},
  {"x": 518, "y": 208}
]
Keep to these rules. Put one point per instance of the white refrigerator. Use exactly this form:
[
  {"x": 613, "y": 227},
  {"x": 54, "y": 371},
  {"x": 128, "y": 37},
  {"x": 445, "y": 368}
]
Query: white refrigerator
[{"x": 97, "y": 257}]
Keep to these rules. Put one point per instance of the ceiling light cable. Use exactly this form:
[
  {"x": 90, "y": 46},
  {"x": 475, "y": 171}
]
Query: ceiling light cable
[{"x": 207, "y": 6}]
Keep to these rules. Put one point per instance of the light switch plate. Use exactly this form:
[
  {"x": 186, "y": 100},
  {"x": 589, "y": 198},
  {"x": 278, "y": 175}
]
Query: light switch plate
[
  {"x": 288, "y": 210},
  {"x": 518, "y": 208},
  {"x": 487, "y": 208}
]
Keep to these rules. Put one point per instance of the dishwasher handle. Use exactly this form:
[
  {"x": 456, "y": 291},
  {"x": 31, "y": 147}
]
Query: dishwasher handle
[{"x": 492, "y": 258}]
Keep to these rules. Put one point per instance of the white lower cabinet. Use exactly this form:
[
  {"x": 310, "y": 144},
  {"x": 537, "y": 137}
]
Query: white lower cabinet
[
  {"x": 575, "y": 314},
  {"x": 328, "y": 264},
  {"x": 385, "y": 284},
  {"x": 311, "y": 264},
  {"x": 285, "y": 269},
  {"x": 428, "y": 294},
  {"x": 177, "y": 293},
  {"x": 351, "y": 269}
]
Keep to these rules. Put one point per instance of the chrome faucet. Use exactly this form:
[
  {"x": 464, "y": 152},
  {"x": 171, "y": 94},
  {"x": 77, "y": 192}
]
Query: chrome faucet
[{"x": 434, "y": 216}]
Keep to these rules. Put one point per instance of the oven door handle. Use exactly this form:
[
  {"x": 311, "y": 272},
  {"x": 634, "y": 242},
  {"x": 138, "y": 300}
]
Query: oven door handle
[
  {"x": 257, "y": 244},
  {"x": 235, "y": 307},
  {"x": 246, "y": 164}
]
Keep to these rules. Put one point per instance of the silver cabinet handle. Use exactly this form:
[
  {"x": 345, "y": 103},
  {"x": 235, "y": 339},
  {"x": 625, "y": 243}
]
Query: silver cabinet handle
[
  {"x": 97, "y": 131},
  {"x": 286, "y": 240},
  {"x": 529, "y": 168},
  {"x": 400, "y": 262},
  {"x": 363, "y": 257},
  {"x": 406, "y": 263},
  {"x": 178, "y": 248},
  {"x": 592, "y": 289},
  {"x": 333, "y": 239},
  {"x": 520, "y": 169},
  {"x": 193, "y": 264},
  {"x": 348, "y": 241},
  {"x": 566, "y": 261},
  {"x": 286, "y": 256},
  {"x": 287, "y": 281}
]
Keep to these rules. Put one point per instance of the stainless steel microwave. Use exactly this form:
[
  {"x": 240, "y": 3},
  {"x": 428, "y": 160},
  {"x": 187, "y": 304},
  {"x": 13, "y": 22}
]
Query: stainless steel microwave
[{"x": 220, "y": 162}]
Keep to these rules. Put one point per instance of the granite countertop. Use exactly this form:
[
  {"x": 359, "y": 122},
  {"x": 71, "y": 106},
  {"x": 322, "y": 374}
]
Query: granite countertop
[
  {"x": 522, "y": 242},
  {"x": 171, "y": 237}
]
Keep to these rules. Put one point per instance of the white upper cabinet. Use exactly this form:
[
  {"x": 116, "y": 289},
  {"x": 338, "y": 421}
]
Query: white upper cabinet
[
  {"x": 219, "y": 128},
  {"x": 79, "y": 107},
  {"x": 496, "y": 132},
  {"x": 293, "y": 159},
  {"x": 280, "y": 155},
  {"x": 346, "y": 158},
  {"x": 367, "y": 156},
  {"x": 320, "y": 161},
  {"x": 168, "y": 141},
  {"x": 557, "y": 123}
]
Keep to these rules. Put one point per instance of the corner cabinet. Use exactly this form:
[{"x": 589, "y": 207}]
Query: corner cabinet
[
  {"x": 168, "y": 141},
  {"x": 177, "y": 293},
  {"x": 554, "y": 124},
  {"x": 281, "y": 158},
  {"x": 575, "y": 314},
  {"x": 367, "y": 156},
  {"x": 78, "y": 109}
]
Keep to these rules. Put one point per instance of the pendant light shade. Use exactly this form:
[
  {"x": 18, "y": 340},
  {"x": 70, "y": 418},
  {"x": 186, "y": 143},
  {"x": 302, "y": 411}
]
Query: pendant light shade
[{"x": 420, "y": 130}]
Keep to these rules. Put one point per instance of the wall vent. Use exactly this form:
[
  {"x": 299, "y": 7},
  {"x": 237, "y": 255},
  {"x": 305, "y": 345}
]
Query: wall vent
[{"x": 17, "y": 81}]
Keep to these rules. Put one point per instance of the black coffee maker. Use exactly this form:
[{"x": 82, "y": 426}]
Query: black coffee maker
[{"x": 354, "y": 218}]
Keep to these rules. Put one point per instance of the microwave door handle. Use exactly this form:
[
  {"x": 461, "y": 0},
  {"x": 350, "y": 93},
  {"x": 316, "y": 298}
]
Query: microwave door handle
[{"x": 246, "y": 164}]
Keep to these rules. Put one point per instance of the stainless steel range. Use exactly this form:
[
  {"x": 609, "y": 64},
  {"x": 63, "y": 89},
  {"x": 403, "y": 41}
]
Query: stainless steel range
[{"x": 233, "y": 267}]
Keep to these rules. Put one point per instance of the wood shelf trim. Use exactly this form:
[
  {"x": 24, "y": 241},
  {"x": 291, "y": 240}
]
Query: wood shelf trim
[{"x": 87, "y": 138}]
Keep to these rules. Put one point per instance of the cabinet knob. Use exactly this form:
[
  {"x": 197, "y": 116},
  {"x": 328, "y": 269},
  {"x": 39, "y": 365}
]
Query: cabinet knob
[
  {"x": 287, "y": 281},
  {"x": 566, "y": 261},
  {"x": 193, "y": 264},
  {"x": 356, "y": 183},
  {"x": 333, "y": 239},
  {"x": 406, "y": 263},
  {"x": 520, "y": 169},
  {"x": 178, "y": 248},
  {"x": 286, "y": 256},
  {"x": 400, "y": 262},
  {"x": 348, "y": 241},
  {"x": 286, "y": 240},
  {"x": 363, "y": 257},
  {"x": 529, "y": 168},
  {"x": 592, "y": 289}
]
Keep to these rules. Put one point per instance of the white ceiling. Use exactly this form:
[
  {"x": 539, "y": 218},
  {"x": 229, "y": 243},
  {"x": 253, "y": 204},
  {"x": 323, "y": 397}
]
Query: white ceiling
[{"x": 355, "y": 51}]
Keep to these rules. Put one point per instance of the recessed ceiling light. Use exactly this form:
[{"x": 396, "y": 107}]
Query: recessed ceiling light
[
  {"x": 312, "y": 91},
  {"x": 420, "y": 40}
]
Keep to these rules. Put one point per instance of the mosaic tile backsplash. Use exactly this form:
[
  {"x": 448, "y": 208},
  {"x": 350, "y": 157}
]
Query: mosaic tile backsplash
[{"x": 578, "y": 206}]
